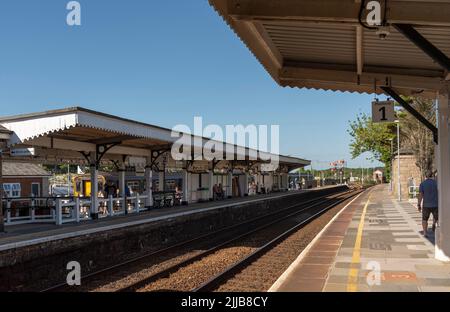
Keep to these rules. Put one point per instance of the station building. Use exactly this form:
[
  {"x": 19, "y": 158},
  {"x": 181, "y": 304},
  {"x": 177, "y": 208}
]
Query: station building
[
  {"x": 94, "y": 139},
  {"x": 25, "y": 180}
]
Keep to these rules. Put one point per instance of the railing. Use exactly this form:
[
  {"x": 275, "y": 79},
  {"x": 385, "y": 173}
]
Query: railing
[
  {"x": 60, "y": 210},
  {"x": 413, "y": 191}
]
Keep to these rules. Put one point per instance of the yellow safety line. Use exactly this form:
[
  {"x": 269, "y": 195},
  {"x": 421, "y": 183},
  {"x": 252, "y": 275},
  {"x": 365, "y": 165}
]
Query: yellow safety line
[{"x": 352, "y": 284}]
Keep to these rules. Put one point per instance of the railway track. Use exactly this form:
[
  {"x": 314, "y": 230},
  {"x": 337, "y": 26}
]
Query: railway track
[
  {"x": 185, "y": 276},
  {"x": 163, "y": 269},
  {"x": 243, "y": 273}
]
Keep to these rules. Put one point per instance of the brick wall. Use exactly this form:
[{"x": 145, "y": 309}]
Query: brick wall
[{"x": 25, "y": 184}]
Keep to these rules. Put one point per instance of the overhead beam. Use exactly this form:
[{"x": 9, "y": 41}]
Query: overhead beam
[
  {"x": 84, "y": 147},
  {"x": 266, "y": 42},
  {"x": 337, "y": 11},
  {"x": 391, "y": 92},
  {"x": 359, "y": 50},
  {"x": 116, "y": 139},
  {"x": 369, "y": 79},
  {"x": 426, "y": 46}
]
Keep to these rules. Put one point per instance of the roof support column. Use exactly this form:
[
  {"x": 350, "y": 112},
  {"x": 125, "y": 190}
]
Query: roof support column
[
  {"x": 443, "y": 165},
  {"x": 230, "y": 183},
  {"x": 149, "y": 183},
  {"x": 246, "y": 183},
  {"x": 122, "y": 187},
  {"x": 161, "y": 181},
  {"x": 186, "y": 178},
  {"x": 286, "y": 181},
  {"x": 94, "y": 185},
  {"x": 211, "y": 184}
]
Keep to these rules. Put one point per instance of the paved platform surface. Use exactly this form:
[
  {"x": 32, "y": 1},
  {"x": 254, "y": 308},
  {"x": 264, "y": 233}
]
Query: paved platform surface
[
  {"x": 28, "y": 234},
  {"x": 374, "y": 244}
]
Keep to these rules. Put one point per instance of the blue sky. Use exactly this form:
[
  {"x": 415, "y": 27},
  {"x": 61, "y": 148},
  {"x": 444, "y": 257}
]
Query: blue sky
[{"x": 161, "y": 62}]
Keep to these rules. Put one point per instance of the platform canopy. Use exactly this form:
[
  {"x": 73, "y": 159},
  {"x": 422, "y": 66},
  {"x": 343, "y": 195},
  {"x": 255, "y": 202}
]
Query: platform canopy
[
  {"x": 72, "y": 133},
  {"x": 321, "y": 44}
]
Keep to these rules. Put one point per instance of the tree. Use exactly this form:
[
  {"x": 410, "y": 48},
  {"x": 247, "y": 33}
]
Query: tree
[
  {"x": 372, "y": 137},
  {"x": 415, "y": 136}
]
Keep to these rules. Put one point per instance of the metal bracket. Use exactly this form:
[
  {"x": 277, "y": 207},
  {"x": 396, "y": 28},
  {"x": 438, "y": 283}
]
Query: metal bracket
[
  {"x": 86, "y": 156},
  {"x": 391, "y": 92},
  {"x": 155, "y": 155},
  {"x": 422, "y": 43},
  {"x": 101, "y": 150}
]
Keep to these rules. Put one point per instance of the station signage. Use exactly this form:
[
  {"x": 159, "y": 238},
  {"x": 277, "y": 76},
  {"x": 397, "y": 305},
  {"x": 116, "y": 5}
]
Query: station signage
[
  {"x": 22, "y": 152},
  {"x": 383, "y": 111},
  {"x": 198, "y": 167}
]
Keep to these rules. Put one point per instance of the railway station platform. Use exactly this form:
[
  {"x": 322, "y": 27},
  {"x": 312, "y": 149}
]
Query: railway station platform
[
  {"x": 30, "y": 234},
  {"x": 97, "y": 244},
  {"x": 373, "y": 245}
]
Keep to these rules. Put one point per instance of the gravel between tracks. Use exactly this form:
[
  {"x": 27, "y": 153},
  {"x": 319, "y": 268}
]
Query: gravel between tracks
[
  {"x": 191, "y": 276},
  {"x": 263, "y": 273}
]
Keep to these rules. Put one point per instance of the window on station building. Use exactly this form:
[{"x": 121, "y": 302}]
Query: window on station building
[{"x": 11, "y": 190}]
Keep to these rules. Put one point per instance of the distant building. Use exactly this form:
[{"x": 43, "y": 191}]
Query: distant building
[
  {"x": 25, "y": 180},
  {"x": 378, "y": 176}
]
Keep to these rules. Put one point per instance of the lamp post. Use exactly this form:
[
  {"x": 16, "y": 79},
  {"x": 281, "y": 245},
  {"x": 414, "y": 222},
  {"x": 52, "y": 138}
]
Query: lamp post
[
  {"x": 399, "y": 185},
  {"x": 392, "y": 162}
]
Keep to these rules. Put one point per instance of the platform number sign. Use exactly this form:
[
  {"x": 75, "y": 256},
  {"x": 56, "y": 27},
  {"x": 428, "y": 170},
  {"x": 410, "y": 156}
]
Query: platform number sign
[{"x": 383, "y": 111}]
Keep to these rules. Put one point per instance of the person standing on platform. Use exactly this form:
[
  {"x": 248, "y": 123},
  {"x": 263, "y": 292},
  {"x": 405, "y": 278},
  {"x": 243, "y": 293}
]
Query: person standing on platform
[{"x": 428, "y": 193}]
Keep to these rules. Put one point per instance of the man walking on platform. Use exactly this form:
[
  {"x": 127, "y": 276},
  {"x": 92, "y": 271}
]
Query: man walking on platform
[{"x": 428, "y": 192}]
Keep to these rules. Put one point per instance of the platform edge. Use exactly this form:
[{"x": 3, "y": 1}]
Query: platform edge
[{"x": 305, "y": 251}]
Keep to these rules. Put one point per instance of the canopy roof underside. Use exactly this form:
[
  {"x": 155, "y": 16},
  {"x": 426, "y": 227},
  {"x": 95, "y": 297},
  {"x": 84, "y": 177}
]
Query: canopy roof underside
[{"x": 320, "y": 44}]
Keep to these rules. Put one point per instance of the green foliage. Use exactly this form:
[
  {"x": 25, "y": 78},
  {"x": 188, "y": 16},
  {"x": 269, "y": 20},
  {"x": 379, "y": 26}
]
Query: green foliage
[
  {"x": 417, "y": 138},
  {"x": 414, "y": 136},
  {"x": 371, "y": 137}
]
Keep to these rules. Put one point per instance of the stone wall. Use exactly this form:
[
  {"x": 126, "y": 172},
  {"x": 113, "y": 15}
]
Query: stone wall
[{"x": 408, "y": 169}]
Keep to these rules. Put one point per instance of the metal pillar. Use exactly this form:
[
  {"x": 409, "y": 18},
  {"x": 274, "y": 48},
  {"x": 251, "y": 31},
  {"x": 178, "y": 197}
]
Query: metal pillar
[
  {"x": 211, "y": 184},
  {"x": 246, "y": 184},
  {"x": 122, "y": 187},
  {"x": 94, "y": 185},
  {"x": 161, "y": 181},
  {"x": 186, "y": 198},
  {"x": 442, "y": 247},
  {"x": 230, "y": 184},
  {"x": 148, "y": 184}
]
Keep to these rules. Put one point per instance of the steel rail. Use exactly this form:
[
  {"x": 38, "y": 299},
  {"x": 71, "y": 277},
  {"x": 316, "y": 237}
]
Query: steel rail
[
  {"x": 231, "y": 271},
  {"x": 175, "y": 267},
  {"x": 114, "y": 268}
]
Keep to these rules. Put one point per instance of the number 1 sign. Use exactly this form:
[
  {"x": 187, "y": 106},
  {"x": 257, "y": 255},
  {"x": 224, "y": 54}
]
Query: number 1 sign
[{"x": 383, "y": 111}]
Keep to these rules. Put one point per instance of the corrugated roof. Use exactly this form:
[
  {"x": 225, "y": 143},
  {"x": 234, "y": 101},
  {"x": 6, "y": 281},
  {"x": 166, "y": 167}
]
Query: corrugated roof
[
  {"x": 315, "y": 43},
  {"x": 79, "y": 129},
  {"x": 23, "y": 170}
]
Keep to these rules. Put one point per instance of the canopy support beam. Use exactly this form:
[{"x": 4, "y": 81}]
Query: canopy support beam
[
  {"x": 391, "y": 92},
  {"x": 426, "y": 46}
]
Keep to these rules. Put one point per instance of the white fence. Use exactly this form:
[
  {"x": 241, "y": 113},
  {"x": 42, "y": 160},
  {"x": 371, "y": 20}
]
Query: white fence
[{"x": 65, "y": 210}]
